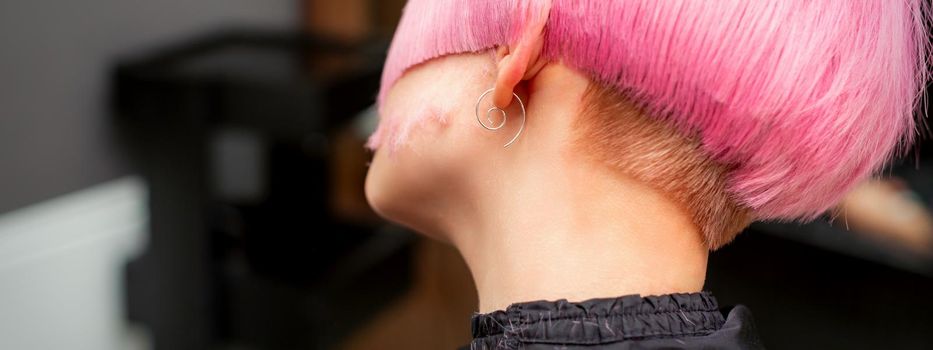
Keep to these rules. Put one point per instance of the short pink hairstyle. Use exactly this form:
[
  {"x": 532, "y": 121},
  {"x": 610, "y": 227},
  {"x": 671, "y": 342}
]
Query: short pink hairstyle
[{"x": 801, "y": 99}]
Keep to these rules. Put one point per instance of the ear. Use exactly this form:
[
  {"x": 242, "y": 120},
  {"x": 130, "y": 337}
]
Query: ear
[{"x": 521, "y": 61}]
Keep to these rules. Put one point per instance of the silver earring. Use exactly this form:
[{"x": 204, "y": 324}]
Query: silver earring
[{"x": 505, "y": 116}]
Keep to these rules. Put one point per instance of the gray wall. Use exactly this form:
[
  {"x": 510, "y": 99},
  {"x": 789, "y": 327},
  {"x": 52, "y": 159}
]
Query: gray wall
[{"x": 54, "y": 59}]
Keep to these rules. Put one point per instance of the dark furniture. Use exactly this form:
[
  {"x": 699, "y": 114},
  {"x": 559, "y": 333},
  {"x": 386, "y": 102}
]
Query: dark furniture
[{"x": 233, "y": 133}]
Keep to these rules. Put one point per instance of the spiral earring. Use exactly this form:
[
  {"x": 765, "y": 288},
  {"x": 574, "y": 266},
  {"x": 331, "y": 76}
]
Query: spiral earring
[{"x": 505, "y": 116}]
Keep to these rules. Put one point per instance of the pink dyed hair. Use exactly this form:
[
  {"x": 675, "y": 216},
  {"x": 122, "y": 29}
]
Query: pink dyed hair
[{"x": 801, "y": 99}]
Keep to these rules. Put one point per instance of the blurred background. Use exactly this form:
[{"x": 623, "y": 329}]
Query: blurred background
[{"x": 188, "y": 175}]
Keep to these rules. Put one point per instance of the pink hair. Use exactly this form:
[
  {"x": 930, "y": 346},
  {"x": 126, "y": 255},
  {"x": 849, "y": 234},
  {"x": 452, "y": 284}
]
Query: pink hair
[{"x": 802, "y": 99}]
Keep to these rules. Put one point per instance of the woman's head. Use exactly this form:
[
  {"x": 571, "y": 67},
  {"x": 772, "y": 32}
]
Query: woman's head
[{"x": 740, "y": 110}]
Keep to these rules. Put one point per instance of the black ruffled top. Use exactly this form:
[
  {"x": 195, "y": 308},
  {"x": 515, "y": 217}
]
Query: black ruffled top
[{"x": 673, "y": 321}]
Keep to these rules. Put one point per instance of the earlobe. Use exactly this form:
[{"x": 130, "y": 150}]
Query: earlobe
[
  {"x": 511, "y": 70},
  {"x": 514, "y": 65}
]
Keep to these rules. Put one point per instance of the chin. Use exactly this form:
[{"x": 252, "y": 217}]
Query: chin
[
  {"x": 389, "y": 192},
  {"x": 400, "y": 196},
  {"x": 379, "y": 190}
]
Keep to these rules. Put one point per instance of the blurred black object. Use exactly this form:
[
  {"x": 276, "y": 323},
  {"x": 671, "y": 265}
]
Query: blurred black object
[
  {"x": 233, "y": 134},
  {"x": 811, "y": 296},
  {"x": 829, "y": 287}
]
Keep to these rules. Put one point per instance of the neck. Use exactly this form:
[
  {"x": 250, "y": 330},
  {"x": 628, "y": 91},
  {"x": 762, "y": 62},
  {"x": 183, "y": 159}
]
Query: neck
[
  {"x": 551, "y": 225},
  {"x": 580, "y": 244}
]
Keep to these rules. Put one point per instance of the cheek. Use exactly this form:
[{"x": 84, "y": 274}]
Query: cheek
[
  {"x": 429, "y": 98},
  {"x": 398, "y": 127},
  {"x": 421, "y": 160}
]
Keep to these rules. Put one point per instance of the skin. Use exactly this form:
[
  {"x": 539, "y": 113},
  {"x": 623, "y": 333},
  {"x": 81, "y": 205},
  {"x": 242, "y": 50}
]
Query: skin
[{"x": 537, "y": 220}]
